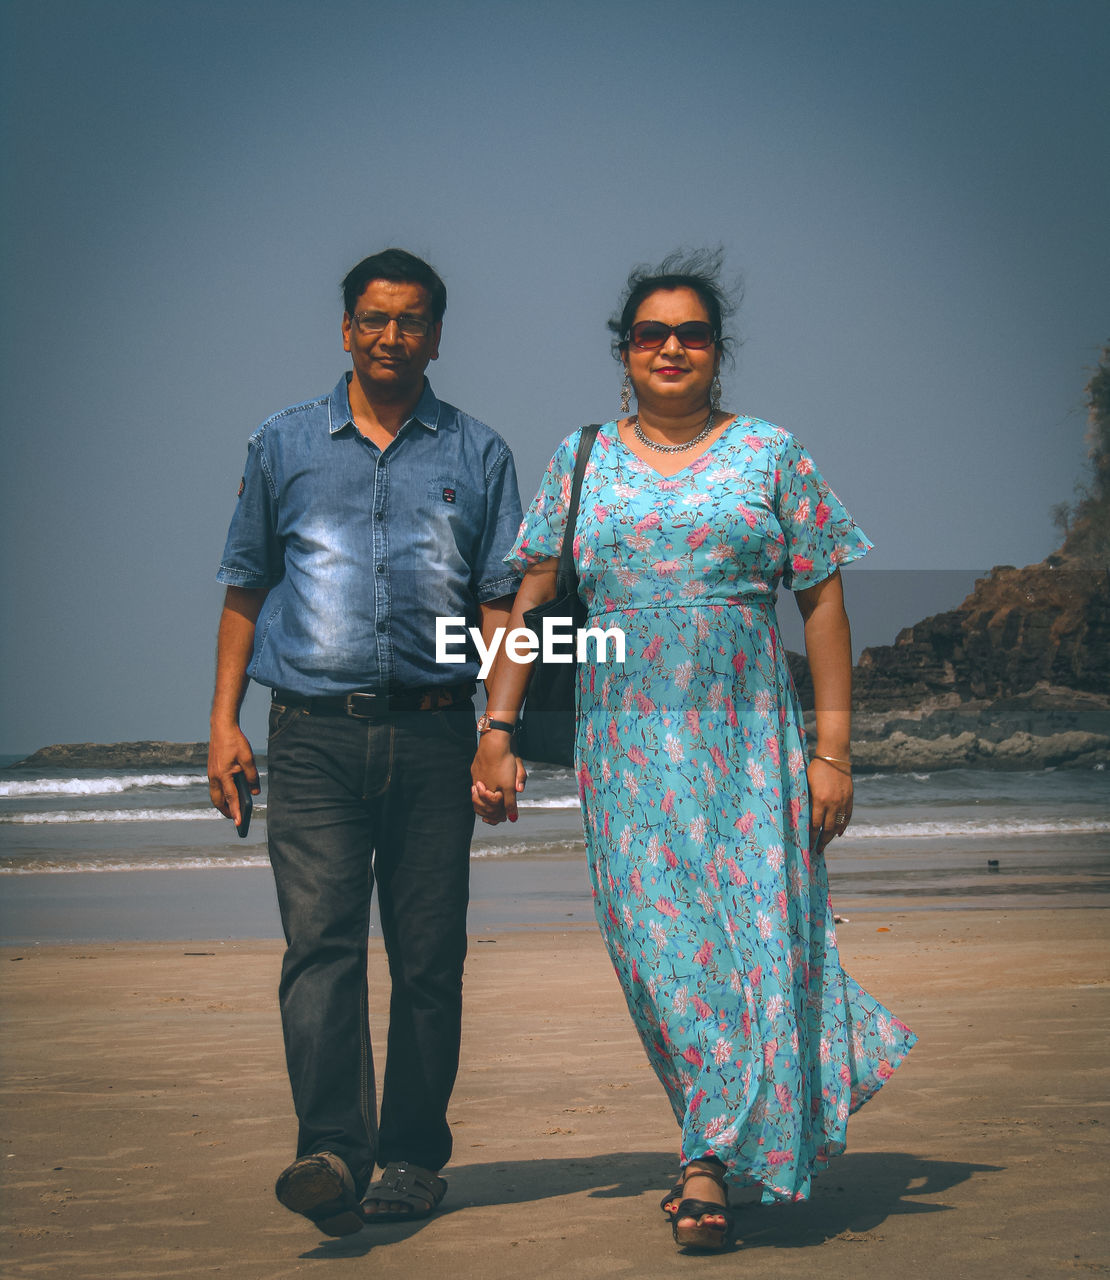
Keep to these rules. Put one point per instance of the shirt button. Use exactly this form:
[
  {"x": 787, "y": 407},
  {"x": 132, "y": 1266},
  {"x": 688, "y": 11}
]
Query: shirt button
[
  {"x": 379, "y": 515},
  {"x": 383, "y": 626},
  {"x": 381, "y": 568}
]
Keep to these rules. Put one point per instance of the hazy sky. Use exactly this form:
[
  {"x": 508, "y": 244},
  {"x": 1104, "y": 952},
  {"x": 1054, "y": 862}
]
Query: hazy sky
[{"x": 916, "y": 197}]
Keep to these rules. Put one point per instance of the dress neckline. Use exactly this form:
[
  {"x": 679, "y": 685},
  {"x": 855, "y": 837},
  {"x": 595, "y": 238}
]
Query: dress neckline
[{"x": 663, "y": 475}]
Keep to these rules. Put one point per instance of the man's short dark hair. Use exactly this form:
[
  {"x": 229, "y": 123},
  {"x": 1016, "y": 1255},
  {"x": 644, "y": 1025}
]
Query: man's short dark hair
[{"x": 401, "y": 267}]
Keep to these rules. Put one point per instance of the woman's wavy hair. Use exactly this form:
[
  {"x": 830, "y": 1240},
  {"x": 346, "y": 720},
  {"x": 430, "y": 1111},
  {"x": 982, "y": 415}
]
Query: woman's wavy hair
[{"x": 698, "y": 269}]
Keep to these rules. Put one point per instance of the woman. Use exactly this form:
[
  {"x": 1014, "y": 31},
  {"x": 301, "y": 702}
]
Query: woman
[{"x": 704, "y": 820}]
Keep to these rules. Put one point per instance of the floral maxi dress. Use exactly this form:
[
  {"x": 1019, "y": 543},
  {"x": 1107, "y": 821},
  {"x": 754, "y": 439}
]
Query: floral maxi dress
[{"x": 691, "y": 765}]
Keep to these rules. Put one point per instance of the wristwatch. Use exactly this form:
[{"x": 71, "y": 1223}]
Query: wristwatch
[{"x": 485, "y": 724}]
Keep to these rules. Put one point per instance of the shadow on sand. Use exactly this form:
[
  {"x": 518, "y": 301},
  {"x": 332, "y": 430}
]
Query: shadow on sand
[{"x": 856, "y": 1194}]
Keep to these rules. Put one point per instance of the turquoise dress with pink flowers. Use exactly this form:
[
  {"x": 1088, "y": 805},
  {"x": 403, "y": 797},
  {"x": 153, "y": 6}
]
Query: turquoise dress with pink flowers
[{"x": 691, "y": 763}]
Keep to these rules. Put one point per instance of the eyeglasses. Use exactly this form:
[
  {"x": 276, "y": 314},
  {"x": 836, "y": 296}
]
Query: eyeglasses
[
  {"x": 650, "y": 335},
  {"x": 369, "y": 323}
]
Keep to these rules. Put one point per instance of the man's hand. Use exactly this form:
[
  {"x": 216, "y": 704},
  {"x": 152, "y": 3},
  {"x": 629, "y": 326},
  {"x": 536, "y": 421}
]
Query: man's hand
[{"x": 230, "y": 753}]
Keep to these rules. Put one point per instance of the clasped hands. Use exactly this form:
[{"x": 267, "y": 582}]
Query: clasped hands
[{"x": 498, "y": 778}]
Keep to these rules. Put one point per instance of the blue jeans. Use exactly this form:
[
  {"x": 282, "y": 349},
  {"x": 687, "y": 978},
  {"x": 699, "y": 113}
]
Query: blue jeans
[{"x": 351, "y": 801}]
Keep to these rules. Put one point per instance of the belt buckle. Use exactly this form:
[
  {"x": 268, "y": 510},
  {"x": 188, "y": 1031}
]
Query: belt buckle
[{"x": 375, "y": 701}]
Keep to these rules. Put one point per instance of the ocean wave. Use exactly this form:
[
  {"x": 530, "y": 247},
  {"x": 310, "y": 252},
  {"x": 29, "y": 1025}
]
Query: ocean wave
[
  {"x": 98, "y": 786},
  {"x": 882, "y": 779},
  {"x": 861, "y": 829},
  {"x": 52, "y": 868},
  {"x": 564, "y": 848},
  {"x": 54, "y": 817},
  {"x": 201, "y": 813},
  {"x": 977, "y": 827},
  {"x": 246, "y": 861}
]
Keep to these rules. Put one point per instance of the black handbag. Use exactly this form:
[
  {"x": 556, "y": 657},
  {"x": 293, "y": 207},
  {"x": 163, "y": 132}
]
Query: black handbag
[{"x": 547, "y": 723}]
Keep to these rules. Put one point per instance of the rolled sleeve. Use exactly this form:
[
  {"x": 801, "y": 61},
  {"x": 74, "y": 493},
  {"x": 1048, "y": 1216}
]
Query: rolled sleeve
[
  {"x": 492, "y": 578},
  {"x": 252, "y": 553}
]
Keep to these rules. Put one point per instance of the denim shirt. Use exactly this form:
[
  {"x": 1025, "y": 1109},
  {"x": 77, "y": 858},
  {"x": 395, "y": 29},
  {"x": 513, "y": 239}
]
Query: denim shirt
[{"x": 360, "y": 549}]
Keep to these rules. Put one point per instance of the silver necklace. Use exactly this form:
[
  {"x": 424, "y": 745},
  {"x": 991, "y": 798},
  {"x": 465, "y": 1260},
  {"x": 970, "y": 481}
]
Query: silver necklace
[{"x": 672, "y": 448}]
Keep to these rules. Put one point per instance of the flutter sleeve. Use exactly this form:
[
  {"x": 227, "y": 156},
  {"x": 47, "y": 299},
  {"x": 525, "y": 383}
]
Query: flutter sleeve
[
  {"x": 820, "y": 534},
  {"x": 545, "y": 521}
]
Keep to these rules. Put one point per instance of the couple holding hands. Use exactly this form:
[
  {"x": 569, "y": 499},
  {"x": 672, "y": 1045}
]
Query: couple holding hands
[{"x": 365, "y": 515}]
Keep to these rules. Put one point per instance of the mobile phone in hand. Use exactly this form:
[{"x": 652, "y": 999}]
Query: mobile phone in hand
[{"x": 246, "y": 805}]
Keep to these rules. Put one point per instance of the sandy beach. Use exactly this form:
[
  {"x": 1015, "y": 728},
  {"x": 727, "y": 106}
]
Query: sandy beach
[{"x": 146, "y": 1114}]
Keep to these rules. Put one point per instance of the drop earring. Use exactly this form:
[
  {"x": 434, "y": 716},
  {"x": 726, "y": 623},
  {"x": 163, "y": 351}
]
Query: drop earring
[
  {"x": 626, "y": 396},
  {"x": 715, "y": 393}
]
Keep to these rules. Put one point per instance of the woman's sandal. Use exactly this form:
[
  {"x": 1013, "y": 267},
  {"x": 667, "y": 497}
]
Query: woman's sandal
[
  {"x": 669, "y": 1203},
  {"x": 698, "y": 1234}
]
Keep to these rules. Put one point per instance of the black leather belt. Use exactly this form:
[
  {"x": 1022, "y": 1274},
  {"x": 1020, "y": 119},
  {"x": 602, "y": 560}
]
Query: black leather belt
[{"x": 371, "y": 706}]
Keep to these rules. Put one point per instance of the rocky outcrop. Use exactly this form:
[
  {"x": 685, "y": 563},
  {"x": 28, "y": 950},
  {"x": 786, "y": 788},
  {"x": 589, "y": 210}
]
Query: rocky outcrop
[
  {"x": 118, "y": 755},
  {"x": 1017, "y": 629},
  {"x": 1016, "y": 677},
  {"x": 1046, "y": 726}
]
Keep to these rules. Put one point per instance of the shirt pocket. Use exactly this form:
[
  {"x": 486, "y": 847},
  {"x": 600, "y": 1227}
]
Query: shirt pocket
[
  {"x": 448, "y": 495},
  {"x": 456, "y": 510}
]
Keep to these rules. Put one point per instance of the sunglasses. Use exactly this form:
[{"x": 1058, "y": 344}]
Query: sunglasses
[{"x": 650, "y": 335}]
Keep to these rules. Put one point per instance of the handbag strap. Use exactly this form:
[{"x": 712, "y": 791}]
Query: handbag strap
[{"x": 566, "y": 580}]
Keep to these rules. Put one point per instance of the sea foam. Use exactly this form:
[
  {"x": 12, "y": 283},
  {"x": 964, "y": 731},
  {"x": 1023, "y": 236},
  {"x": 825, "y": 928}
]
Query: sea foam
[
  {"x": 97, "y": 786},
  {"x": 50, "y": 817}
]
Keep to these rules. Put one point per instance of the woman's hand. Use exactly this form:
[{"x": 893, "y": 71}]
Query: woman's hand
[
  {"x": 829, "y": 650},
  {"x": 498, "y": 776},
  {"x": 830, "y": 802}
]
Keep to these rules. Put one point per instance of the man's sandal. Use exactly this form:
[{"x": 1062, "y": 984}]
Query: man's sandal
[
  {"x": 320, "y": 1187},
  {"x": 419, "y": 1190},
  {"x": 698, "y": 1234}
]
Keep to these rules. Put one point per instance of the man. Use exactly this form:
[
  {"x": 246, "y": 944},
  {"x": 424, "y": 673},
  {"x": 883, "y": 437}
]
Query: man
[{"x": 361, "y": 517}]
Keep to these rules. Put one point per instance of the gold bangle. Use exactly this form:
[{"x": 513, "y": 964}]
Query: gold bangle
[{"x": 835, "y": 760}]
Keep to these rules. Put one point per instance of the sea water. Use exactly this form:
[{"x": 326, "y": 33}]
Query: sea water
[{"x": 972, "y": 837}]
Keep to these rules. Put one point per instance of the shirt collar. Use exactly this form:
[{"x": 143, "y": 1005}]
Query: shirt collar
[{"x": 339, "y": 407}]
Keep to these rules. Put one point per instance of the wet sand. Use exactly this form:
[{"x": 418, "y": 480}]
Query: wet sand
[
  {"x": 146, "y": 1114},
  {"x": 552, "y": 889},
  {"x": 231, "y": 903}
]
